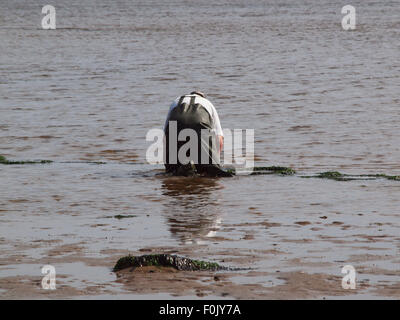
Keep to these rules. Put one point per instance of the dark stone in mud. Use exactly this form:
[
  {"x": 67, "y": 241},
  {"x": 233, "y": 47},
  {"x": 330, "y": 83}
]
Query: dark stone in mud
[
  {"x": 3, "y": 160},
  {"x": 166, "y": 260}
]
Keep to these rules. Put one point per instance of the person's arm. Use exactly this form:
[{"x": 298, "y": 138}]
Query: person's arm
[
  {"x": 221, "y": 143},
  {"x": 219, "y": 133},
  {"x": 217, "y": 124}
]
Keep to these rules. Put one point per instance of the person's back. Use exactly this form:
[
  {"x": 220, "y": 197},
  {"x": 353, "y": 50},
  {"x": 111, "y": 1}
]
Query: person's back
[{"x": 196, "y": 113}]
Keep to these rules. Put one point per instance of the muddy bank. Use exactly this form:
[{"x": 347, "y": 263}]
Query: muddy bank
[
  {"x": 294, "y": 285},
  {"x": 80, "y": 275},
  {"x": 82, "y": 218}
]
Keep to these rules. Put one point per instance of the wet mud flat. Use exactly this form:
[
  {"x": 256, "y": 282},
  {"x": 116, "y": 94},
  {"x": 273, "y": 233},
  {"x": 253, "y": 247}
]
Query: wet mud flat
[
  {"x": 289, "y": 241},
  {"x": 322, "y": 101}
]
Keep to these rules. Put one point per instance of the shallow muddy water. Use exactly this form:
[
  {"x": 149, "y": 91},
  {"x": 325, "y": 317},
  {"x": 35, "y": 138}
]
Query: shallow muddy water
[{"x": 319, "y": 98}]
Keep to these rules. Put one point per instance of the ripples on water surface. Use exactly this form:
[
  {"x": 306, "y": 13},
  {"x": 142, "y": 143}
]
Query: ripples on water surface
[{"x": 319, "y": 98}]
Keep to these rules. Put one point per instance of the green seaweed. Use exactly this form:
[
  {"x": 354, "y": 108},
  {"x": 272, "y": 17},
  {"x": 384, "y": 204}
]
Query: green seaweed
[
  {"x": 381, "y": 175},
  {"x": 273, "y": 170},
  {"x": 204, "y": 265},
  {"x": 125, "y": 262},
  {"x": 166, "y": 260},
  {"x": 5, "y": 161},
  {"x": 190, "y": 170},
  {"x": 338, "y": 176},
  {"x": 285, "y": 171},
  {"x": 333, "y": 175}
]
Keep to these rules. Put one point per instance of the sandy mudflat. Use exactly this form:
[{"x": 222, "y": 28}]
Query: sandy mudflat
[
  {"x": 85, "y": 95},
  {"x": 92, "y": 277}
]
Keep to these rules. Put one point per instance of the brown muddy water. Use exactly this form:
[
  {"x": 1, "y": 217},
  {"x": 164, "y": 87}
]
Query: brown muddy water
[{"x": 319, "y": 98}]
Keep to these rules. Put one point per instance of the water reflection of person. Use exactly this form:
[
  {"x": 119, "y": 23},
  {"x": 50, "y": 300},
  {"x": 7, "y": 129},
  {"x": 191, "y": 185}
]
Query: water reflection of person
[{"x": 193, "y": 209}]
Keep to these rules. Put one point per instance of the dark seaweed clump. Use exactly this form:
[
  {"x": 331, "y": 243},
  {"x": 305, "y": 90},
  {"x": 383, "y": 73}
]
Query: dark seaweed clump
[
  {"x": 166, "y": 260},
  {"x": 335, "y": 175},
  {"x": 273, "y": 170},
  {"x": 4, "y": 160},
  {"x": 385, "y": 176},
  {"x": 285, "y": 171}
]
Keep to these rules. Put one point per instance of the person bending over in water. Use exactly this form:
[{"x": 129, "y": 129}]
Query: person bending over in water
[{"x": 195, "y": 112}]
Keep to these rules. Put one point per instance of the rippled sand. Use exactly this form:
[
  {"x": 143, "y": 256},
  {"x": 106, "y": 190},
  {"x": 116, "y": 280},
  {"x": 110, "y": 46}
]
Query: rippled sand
[{"x": 319, "y": 99}]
